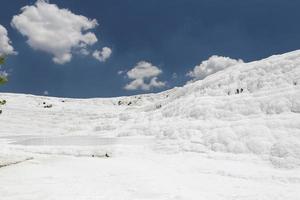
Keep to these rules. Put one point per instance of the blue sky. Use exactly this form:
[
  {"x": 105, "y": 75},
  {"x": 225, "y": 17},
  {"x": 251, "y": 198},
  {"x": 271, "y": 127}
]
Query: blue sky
[{"x": 169, "y": 37}]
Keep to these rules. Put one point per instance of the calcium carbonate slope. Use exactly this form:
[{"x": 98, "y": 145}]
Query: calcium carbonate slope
[{"x": 251, "y": 108}]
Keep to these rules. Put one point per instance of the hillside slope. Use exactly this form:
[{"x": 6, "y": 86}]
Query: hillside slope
[{"x": 251, "y": 108}]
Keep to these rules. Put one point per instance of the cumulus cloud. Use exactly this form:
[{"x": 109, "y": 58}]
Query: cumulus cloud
[
  {"x": 141, "y": 84},
  {"x": 102, "y": 55},
  {"x": 46, "y": 92},
  {"x": 211, "y": 66},
  {"x": 174, "y": 76},
  {"x": 144, "y": 77},
  {"x": 5, "y": 43},
  {"x": 54, "y": 30}
]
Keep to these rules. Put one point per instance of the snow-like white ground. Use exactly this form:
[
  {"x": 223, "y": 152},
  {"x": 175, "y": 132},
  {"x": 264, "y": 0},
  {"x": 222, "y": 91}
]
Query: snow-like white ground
[{"x": 200, "y": 141}]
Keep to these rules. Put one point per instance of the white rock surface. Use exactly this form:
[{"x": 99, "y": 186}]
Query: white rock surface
[{"x": 216, "y": 143}]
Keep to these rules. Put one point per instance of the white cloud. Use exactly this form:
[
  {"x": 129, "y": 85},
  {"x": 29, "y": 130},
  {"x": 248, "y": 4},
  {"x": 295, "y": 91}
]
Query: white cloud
[
  {"x": 84, "y": 52},
  {"x": 102, "y": 55},
  {"x": 142, "y": 70},
  {"x": 174, "y": 76},
  {"x": 144, "y": 77},
  {"x": 5, "y": 43},
  {"x": 54, "y": 30},
  {"x": 211, "y": 66},
  {"x": 156, "y": 83}
]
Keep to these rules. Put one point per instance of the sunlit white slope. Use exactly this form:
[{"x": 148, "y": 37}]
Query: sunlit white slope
[
  {"x": 209, "y": 115},
  {"x": 263, "y": 119}
]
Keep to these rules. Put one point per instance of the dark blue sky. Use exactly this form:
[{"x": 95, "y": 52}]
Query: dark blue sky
[{"x": 175, "y": 35}]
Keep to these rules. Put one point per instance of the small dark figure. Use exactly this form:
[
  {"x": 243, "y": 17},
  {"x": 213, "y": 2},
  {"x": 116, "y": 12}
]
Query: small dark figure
[
  {"x": 129, "y": 103},
  {"x": 237, "y": 91},
  {"x": 295, "y": 83},
  {"x": 93, "y": 155},
  {"x": 242, "y": 90},
  {"x": 0, "y": 111},
  {"x": 44, "y": 103},
  {"x": 48, "y": 106},
  {"x": 228, "y": 92},
  {"x": 63, "y": 101},
  {"x": 3, "y": 102},
  {"x": 106, "y": 155},
  {"x": 119, "y": 103}
]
